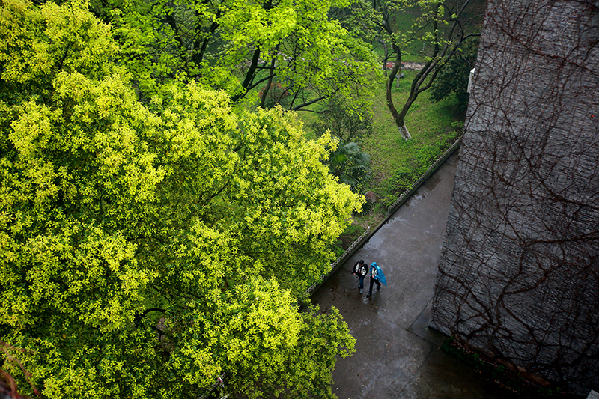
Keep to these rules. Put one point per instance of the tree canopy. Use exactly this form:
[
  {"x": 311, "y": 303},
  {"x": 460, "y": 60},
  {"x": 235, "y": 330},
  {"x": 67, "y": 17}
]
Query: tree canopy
[
  {"x": 242, "y": 47},
  {"x": 151, "y": 248}
]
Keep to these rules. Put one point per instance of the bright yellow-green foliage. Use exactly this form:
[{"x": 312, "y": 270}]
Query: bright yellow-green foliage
[
  {"x": 148, "y": 249},
  {"x": 214, "y": 41}
]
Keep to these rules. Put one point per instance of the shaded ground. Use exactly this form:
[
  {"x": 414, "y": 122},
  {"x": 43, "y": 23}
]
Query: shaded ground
[{"x": 397, "y": 356}]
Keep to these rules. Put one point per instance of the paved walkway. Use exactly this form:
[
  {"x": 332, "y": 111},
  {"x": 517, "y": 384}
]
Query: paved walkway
[{"x": 397, "y": 356}]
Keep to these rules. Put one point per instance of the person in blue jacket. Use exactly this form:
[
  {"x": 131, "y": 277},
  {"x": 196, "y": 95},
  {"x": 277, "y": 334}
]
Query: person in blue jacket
[{"x": 376, "y": 276}]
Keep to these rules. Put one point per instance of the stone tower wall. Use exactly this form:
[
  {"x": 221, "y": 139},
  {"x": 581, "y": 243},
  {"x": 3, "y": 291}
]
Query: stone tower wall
[{"x": 518, "y": 278}]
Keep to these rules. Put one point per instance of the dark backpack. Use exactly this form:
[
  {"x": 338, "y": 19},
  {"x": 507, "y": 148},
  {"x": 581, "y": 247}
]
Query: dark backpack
[{"x": 363, "y": 270}]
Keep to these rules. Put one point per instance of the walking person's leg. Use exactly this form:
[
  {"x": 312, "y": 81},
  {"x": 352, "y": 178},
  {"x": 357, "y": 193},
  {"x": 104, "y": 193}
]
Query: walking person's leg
[
  {"x": 371, "y": 284},
  {"x": 361, "y": 283}
]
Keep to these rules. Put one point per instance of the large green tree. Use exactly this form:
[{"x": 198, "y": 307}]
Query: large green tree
[
  {"x": 243, "y": 47},
  {"x": 444, "y": 25},
  {"x": 150, "y": 249}
]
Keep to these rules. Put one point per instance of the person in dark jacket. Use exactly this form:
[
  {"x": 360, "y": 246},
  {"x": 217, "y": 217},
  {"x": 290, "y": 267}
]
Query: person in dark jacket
[{"x": 360, "y": 270}]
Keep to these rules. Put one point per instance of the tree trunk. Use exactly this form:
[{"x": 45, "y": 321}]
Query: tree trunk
[
  {"x": 399, "y": 118},
  {"x": 249, "y": 76},
  {"x": 270, "y": 77}
]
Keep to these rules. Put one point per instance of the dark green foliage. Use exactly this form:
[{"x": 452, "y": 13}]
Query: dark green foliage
[
  {"x": 347, "y": 122},
  {"x": 277, "y": 95},
  {"x": 350, "y": 165},
  {"x": 453, "y": 78}
]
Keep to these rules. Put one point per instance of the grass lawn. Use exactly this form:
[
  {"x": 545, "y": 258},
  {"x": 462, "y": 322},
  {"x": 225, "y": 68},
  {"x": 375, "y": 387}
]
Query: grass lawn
[
  {"x": 430, "y": 124},
  {"x": 397, "y": 164}
]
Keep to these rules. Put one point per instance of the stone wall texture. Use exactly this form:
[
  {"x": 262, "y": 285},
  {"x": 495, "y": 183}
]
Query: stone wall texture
[{"x": 519, "y": 274}]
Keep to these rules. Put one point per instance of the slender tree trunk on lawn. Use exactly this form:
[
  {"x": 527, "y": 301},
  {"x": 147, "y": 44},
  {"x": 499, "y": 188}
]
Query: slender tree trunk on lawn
[
  {"x": 398, "y": 117},
  {"x": 443, "y": 51}
]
